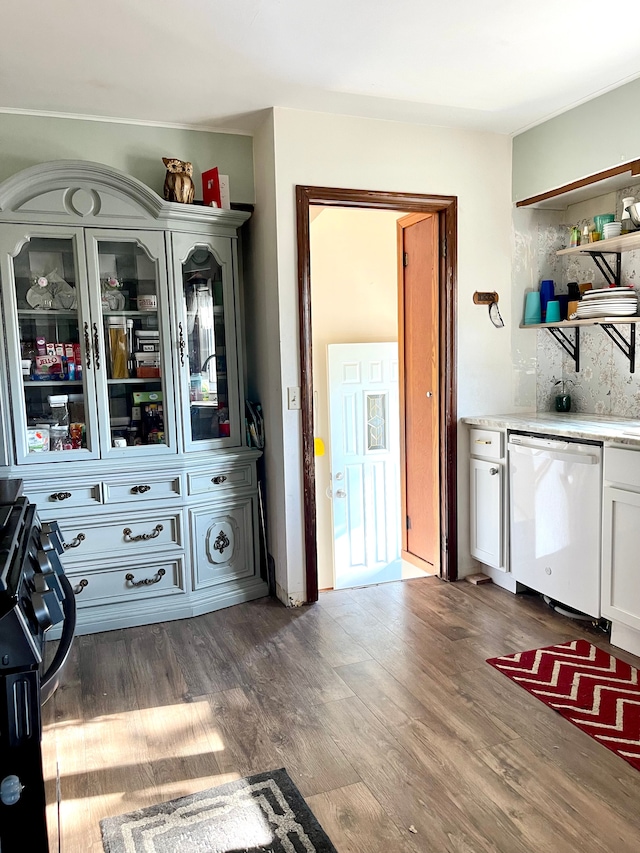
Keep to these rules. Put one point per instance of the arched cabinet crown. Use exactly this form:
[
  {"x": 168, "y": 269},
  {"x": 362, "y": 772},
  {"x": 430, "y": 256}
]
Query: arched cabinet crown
[{"x": 79, "y": 192}]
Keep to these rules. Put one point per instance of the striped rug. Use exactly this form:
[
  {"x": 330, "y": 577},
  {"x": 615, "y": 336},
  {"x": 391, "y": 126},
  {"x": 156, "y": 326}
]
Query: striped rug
[{"x": 592, "y": 689}]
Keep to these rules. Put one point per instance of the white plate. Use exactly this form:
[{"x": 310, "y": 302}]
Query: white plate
[
  {"x": 608, "y": 292},
  {"x": 611, "y": 312}
]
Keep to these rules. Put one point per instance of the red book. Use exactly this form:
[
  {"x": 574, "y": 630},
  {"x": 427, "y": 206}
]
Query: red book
[{"x": 211, "y": 188}]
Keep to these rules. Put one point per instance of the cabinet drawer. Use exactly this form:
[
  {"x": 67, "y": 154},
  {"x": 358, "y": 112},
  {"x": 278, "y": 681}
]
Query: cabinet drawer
[
  {"x": 133, "y": 533},
  {"x": 221, "y": 479},
  {"x": 60, "y": 497},
  {"x": 222, "y": 540},
  {"x": 153, "y": 579},
  {"x": 141, "y": 488},
  {"x": 487, "y": 443},
  {"x": 622, "y": 466}
]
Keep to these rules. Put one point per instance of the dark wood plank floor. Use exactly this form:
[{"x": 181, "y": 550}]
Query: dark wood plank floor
[{"x": 379, "y": 703}]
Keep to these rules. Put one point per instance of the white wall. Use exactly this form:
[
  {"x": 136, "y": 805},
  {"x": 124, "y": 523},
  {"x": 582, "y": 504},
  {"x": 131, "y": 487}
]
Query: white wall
[
  {"x": 354, "y": 298},
  {"x": 342, "y": 151}
]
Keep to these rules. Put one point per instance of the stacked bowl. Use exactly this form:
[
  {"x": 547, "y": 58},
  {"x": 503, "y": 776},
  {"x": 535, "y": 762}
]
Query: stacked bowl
[{"x": 612, "y": 229}]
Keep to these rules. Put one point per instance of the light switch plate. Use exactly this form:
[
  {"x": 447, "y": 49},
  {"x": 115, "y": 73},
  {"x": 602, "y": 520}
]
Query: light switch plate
[{"x": 293, "y": 397}]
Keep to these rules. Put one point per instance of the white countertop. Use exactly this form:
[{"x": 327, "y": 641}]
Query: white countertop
[{"x": 569, "y": 424}]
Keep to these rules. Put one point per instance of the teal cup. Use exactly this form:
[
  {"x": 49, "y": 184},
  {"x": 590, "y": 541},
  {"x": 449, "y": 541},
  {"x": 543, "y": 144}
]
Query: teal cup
[
  {"x": 553, "y": 311},
  {"x": 532, "y": 309}
]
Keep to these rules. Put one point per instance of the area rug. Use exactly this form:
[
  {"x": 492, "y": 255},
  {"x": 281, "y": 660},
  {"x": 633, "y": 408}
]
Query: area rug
[
  {"x": 592, "y": 689},
  {"x": 260, "y": 814}
]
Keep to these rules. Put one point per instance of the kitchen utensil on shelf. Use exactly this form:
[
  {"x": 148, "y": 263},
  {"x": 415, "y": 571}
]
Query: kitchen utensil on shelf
[
  {"x": 553, "y": 311},
  {"x": 532, "y": 310},
  {"x": 634, "y": 213},
  {"x": 547, "y": 293}
]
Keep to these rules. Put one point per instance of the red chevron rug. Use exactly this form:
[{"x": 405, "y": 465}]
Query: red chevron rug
[{"x": 595, "y": 691}]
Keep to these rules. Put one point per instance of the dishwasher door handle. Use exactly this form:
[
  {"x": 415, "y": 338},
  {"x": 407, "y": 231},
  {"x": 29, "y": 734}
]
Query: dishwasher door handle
[{"x": 574, "y": 458}]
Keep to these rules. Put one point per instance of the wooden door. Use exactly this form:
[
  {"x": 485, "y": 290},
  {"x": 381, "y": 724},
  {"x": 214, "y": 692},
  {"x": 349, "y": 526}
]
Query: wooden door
[{"x": 420, "y": 374}]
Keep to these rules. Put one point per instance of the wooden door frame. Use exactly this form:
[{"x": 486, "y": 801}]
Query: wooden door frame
[{"x": 446, "y": 208}]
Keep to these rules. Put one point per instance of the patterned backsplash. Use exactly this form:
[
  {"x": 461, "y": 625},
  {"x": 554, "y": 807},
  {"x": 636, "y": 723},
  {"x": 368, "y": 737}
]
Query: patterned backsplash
[{"x": 604, "y": 384}]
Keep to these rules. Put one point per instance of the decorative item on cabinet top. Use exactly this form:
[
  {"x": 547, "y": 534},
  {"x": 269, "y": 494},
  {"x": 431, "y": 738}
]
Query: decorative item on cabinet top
[{"x": 178, "y": 185}]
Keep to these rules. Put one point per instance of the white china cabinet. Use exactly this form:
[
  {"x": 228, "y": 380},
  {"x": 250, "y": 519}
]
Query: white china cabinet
[{"x": 122, "y": 394}]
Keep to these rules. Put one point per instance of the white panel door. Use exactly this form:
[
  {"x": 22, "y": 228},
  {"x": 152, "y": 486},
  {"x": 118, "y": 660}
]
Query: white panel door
[
  {"x": 620, "y": 547},
  {"x": 365, "y": 461},
  {"x": 487, "y": 512}
]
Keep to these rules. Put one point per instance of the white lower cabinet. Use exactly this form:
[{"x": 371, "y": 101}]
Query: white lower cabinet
[
  {"x": 621, "y": 547},
  {"x": 487, "y": 486}
]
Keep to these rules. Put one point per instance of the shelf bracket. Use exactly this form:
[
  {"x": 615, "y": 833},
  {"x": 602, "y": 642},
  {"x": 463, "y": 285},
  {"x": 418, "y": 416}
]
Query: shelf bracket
[
  {"x": 570, "y": 346},
  {"x": 627, "y": 348},
  {"x": 605, "y": 267}
]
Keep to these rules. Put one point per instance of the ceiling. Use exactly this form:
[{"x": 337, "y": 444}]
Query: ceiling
[{"x": 500, "y": 65}]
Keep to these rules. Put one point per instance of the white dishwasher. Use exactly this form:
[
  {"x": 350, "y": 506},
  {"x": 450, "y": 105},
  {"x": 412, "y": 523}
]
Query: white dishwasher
[{"x": 555, "y": 517}]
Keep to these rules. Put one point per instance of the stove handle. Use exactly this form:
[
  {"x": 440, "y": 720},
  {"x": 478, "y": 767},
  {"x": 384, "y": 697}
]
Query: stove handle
[{"x": 51, "y": 677}]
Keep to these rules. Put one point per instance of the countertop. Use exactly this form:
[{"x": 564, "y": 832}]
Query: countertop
[{"x": 569, "y": 424}]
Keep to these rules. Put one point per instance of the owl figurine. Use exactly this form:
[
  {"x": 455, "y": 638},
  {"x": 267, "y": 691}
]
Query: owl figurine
[{"x": 178, "y": 185}]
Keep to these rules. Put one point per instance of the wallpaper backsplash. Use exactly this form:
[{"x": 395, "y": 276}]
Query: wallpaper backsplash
[{"x": 604, "y": 384}]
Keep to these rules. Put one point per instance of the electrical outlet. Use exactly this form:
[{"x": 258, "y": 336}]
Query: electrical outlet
[
  {"x": 293, "y": 397},
  {"x": 481, "y": 297}
]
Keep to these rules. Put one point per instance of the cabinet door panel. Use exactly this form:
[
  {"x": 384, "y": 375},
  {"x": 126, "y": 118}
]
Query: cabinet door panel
[
  {"x": 50, "y": 354},
  {"x": 130, "y": 305},
  {"x": 621, "y": 546},
  {"x": 206, "y": 345},
  {"x": 223, "y": 542},
  {"x": 487, "y": 532}
]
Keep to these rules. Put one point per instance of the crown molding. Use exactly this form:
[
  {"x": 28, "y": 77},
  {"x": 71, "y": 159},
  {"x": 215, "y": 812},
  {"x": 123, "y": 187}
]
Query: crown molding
[{"x": 117, "y": 120}]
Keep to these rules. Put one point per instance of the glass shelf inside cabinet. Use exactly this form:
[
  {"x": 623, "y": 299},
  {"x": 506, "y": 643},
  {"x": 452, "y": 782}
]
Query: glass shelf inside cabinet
[
  {"x": 203, "y": 295},
  {"x": 133, "y": 335},
  {"x": 50, "y": 354}
]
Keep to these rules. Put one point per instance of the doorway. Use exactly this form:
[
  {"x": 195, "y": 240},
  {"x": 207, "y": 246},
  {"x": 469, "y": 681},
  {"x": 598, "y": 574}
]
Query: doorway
[{"x": 440, "y": 212}]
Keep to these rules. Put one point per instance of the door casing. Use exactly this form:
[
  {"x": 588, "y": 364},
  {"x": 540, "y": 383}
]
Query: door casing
[{"x": 446, "y": 208}]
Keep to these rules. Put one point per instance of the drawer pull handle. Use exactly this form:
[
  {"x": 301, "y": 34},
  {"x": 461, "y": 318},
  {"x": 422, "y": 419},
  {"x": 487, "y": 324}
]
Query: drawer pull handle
[
  {"x": 59, "y": 496},
  {"x": 87, "y": 345},
  {"x": 81, "y": 585},
  {"x": 145, "y": 581},
  {"x": 483, "y": 441},
  {"x": 493, "y": 471},
  {"x": 142, "y": 537},
  {"x": 222, "y": 542},
  {"x": 181, "y": 344},
  {"x": 79, "y": 539},
  {"x": 96, "y": 346},
  {"x": 219, "y": 479},
  {"x": 140, "y": 490}
]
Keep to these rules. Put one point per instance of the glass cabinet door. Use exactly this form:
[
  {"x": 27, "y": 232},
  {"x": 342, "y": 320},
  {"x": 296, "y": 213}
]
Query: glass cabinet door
[
  {"x": 49, "y": 359},
  {"x": 129, "y": 295},
  {"x": 207, "y": 342}
]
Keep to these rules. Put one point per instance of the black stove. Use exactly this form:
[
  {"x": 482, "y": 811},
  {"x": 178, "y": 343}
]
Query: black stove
[{"x": 34, "y": 595}]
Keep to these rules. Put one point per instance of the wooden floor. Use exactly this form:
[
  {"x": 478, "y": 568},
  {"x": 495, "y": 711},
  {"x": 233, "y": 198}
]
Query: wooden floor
[{"x": 378, "y": 702}]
